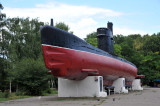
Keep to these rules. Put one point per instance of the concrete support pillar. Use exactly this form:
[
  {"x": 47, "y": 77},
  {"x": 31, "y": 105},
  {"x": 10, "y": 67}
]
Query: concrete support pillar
[
  {"x": 119, "y": 85},
  {"x": 92, "y": 86},
  {"x": 136, "y": 84}
]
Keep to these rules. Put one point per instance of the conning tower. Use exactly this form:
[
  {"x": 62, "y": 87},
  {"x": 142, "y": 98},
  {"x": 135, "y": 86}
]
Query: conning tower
[{"x": 105, "y": 38}]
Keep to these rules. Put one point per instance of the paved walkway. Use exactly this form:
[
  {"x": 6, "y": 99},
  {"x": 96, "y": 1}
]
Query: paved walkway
[{"x": 147, "y": 97}]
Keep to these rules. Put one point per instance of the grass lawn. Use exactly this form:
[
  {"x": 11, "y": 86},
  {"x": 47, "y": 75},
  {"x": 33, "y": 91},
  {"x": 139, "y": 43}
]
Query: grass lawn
[{"x": 13, "y": 96}]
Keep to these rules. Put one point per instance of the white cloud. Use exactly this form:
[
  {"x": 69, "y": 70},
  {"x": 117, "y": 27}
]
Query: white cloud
[
  {"x": 126, "y": 31},
  {"x": 81, "y": 19}
]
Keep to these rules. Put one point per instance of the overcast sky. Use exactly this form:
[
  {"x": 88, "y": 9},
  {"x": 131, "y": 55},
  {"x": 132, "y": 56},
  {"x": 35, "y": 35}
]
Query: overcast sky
[{"x": 85, "y": 16}]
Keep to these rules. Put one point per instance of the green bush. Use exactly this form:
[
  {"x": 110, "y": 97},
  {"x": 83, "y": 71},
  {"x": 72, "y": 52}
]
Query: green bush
[
  {"x": 19, "y": 93},
  {"x": 1, "y": 94},
  {"x": 4, "y": 94},
  {"x": 31, "y": 76}
]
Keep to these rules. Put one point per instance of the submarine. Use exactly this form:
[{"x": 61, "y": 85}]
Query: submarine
[{"x": 67, "y": 56}]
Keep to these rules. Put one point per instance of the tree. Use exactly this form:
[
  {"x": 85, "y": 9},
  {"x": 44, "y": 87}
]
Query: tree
[
  {"x": 92, "y": 39},
  {"x": 25, "y": 38},
  {"x": 152, "y": 43},
  {"x": 63, "y": 26},
  {"x": 2, "y": 24},
  {"x": 138, "y": 43},
  {"x": 22, "y": 41},
  {"x": 2, "y": 16},
  {"x": 3, "y": 74},
  {"x": 118, "y": 39},
  {"x": 3, "y": 51},
  {"x": 118, "y": 50},
  {"x": 31, "y": 76},
  {"x": 150, "y": 67}
]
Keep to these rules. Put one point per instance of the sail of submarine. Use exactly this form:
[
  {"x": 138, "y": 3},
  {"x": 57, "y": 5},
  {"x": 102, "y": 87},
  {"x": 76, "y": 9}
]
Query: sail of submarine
[{"x": 70, "y": 57}]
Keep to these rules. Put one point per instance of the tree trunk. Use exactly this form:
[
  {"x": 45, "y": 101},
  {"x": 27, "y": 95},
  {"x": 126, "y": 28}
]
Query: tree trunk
[
  {"x": 52, "y": 83},
  {"x": 10, "y": 87}
]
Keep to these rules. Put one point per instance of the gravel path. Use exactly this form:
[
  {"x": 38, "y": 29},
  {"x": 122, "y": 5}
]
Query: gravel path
[{"x": 147, "y": 97}]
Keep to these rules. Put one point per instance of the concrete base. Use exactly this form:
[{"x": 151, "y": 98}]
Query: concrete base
[
  {"x": 92, "y": 86},
  {"x": 119, "y": 85},
  {"x": 136, "y": 84}
]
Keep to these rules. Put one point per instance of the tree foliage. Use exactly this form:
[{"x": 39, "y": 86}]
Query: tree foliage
[
  {"x": 92, "y": 38},
  {"x": 31, "y": 76},
  {"x": 25, "y": 38},
  {"x": 21, "y": 60},
  {"x": 3, "y": 51},
  {"x": 62, "y": 26},
  {"x": 22, "y": 63}
]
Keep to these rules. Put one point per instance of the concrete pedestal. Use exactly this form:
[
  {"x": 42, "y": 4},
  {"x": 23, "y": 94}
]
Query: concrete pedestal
[
  {"x": 92, "y": 86},
  {"x": 136, "y": 84},
  {"x": 119, "y": 85}
]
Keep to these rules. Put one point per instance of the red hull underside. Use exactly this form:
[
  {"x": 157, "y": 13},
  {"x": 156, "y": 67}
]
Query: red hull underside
[{"x": 76, "y": 65}]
